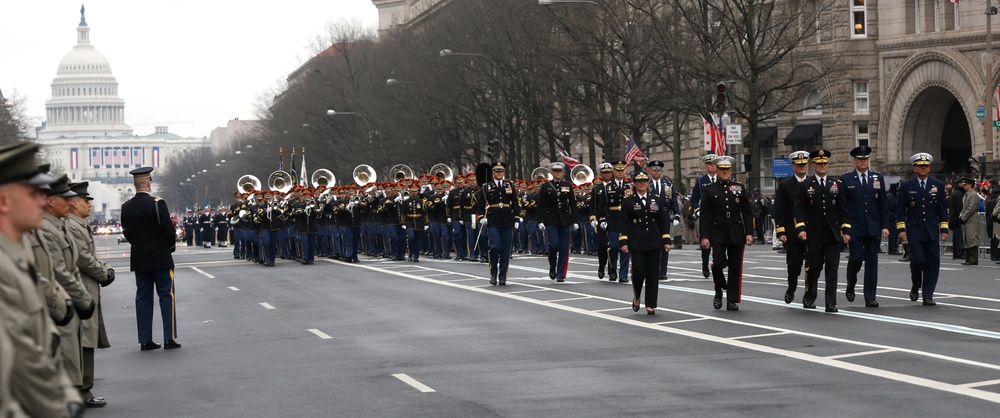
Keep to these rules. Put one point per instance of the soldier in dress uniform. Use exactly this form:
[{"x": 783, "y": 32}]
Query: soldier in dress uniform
[
  {"x": 922, "y": 218},
  {"x": 784, "y": 220},
  {"x": 437, "y": 215},
  {"x": 456, "y": 199},
  {"x": 38, "y": 387},
  {"x": 189, "y": 225},
  {"x": 706, "y": 179},
  {"x": 726, "y": 227},
  {"x": 555, "y": 206},
  {"x": 664, "y": 188},
  {"x": 868, "y": 213},
  {"x": 617, "y": 190},
  {"x": 221, "y": 221},
  {"x": 146, "y": 225},
  {"x": 498, "y": 206},
  {"x": 599, "y": 216},
  {"x": 413, "y": 217},
  {"x": 644, "y": 234},
  {"x": 207, "y": 228},
  {"x": 536, "y": 244},
  {"x": 821, "y": 221},
  {"x": 237, "y": 230}
]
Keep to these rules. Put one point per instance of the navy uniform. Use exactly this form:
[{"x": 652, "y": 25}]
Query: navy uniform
[
  {"x": 617, "y": 191},
  {"x": 784, "y": 221},
  {"x": 922, "y": 214},
  {"x": 146, "y": 225},
  {"x": 555, "y": 206},
  {"x": 699, "y": 185},
  {"x": 499, "y": 203},
  {"x": 645, "y": 234},
  {"x": 189, "y": 226},
  {"x": 820, "y": 213},
  {"x": 868, "y": 212},
  {"x": 727, "y": 224},
  {"x": 664, "y": 188},
  {"x": 599, "y": 219}
]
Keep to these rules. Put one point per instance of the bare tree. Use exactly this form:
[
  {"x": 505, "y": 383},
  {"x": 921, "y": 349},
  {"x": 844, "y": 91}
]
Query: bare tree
[{"x": 14, "y": 125}]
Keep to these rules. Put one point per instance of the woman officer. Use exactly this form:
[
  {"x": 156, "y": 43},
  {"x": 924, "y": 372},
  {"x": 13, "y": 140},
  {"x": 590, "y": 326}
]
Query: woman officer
[{"x": 645, "y": 233}]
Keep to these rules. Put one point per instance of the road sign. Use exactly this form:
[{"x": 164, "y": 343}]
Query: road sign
[
  {"x": 734, "y": 135},
  {"x": 981, "y": 114},
  {"x": 996, "y": 124},
  {"x": 781, "y": 168}
]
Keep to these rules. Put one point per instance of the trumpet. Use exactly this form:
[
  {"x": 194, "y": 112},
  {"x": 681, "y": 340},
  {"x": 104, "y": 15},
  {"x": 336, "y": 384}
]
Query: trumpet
[
  {"x": 401, "y": 171},
  {"x": 581, "y": 174},
  {"x": 280, "y": 181},
  {"x": 248, "y": 183},
  {"x": 443, "y": 172},
  {"x": 323, "y": 177}
]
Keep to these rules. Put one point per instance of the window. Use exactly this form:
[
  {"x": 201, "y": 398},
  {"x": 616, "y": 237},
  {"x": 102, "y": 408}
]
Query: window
[
  {"x": 861, "y": 96},
  {"x": 859, "y": 19},
  {"x": 861, "y": 134},
  {"x": 812, "y": 104}
]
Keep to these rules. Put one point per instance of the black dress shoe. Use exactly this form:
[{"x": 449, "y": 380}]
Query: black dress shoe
[
  {"x": 169, "y": 344},
  {"x": 149, "y": 346},
  {"x": 789, "y": 296},
  {"x": 717, "y": 300},
  {"x": 635, "y": 307},
  {"x": 732, "y": 306},
  {"x": 493, "y": 280},
  {"x": 871, "y": 303},
  {"x": 913, "y": 294},
  {"x": 503, "y": 283},
  {"x": 809, "y": 304},
  {"x": 832, "y": 308},
  {"x": 613, "y": 276},
  {"x": 552, "y": 275},
  {"x": 704, "y": 271},
  {"x": 96, "y": 402},
  {"x": 623, "y": 280},
  {"x": 650, "y": 312},
  {"x": 600, "y": 274},
  {"x": 850, "y": 294},
  {"x": 560, "y": 279},
  {"x": 929, "y": 302}
]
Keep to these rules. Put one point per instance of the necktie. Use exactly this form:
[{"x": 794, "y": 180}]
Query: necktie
[
  {"x": 923, "y": 185},
  {"x": 864, "y": 179}
]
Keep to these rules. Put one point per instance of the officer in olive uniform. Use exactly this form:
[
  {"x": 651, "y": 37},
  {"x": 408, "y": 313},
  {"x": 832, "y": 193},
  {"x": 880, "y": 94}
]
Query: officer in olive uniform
[
  {"x": 645, "y": 234},
  {"x": 727, "y": 228},
  {"x": 37, "y": 385},
  {"x": 146, "y": 225},
  {"x": 617, "y": 190},
  {"x": 706, "y": 179},
  {"x": 868, "y": 212},
  {"x": 821, "y": 221},
  {"x": 784, "y": 220},
  {"x": 922, "y": 218},
  {"x": 555, "y": 205},
  {"x": 497, "y": 201}
]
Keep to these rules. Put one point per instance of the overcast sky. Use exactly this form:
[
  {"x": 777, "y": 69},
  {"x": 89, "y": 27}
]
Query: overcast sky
[{"x": 190, "y": 65}]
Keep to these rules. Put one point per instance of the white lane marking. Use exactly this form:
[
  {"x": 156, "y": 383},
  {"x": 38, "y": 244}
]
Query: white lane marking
[
  {"x": 202, "y": 272},
  {"x": 681, "y": 321},
  {"x": 320, "y": 334},
  {"x": 437, "y": 274},
  {"x": 234, "y": 288},
  {"x": 461, "y": 280},
  {"x": 770, "y": 334},
  {"x": 413, "y": 382},
  {"x": 569, "y": 299},
  {"x": 610, "y": 309},
  {"x": 811, "y": 358},
  {"x": 861, "y": 353},
  {"x": 529, "y": 291},
  {"x": 981, "y": 384},
  {"x": 266, "y": 305}
]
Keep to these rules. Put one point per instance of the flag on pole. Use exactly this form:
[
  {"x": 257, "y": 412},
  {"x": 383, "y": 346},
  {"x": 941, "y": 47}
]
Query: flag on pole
[
  {"x": 570, "y": 161},
  {"x": 291, "y": 167},
  {"x": 632, "y": 153},
  {"x": 281, "y": 160},
  {"x": 303, "y": 180},
  {"x": 715, "y": 139}
]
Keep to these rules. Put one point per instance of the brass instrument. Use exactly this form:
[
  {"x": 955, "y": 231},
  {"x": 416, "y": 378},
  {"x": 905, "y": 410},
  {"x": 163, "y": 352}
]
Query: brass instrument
[
  {"x": 401, "y": 171},
  {"x": 248, "y": 183},
  {"x": 581, "y": 174},
  {"x": 443, "y": 172},
  {"x": 541, "y": 172},
  {"x": 280, "y": 181},
  {"x": 323, "y": 177},
  {"x": 364, "y": 174}
]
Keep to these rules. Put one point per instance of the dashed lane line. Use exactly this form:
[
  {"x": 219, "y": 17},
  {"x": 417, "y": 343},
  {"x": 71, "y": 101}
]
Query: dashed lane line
[
  {"x": 267, "y": 305},
  {"x": 413, "y": 382},
  {"x": 861, "y": 353},
  {"x": 234, "y": 288},
  {"x": 203, "y": 272},
  {"x": 320, "y": 334}
]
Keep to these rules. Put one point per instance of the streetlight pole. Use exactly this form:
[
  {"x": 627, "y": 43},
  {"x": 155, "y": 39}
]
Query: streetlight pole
[
  {"x": 368, "y": 124},
  {"x": 989, "y": 83}
]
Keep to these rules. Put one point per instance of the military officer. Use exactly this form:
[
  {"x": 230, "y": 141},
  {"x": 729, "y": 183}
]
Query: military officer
[
  {"x": 189, "y": 226},
  {"x": 413, "y": 216},
  {"x": 599, "y": 215},
  {"x": 498, "y": 205},
  {"x": 821, "y": 221},
  {"x": 146, "y": 225},
  {"x": 970, "y": 219},
  {"x": 456, "y": 202},
  {"x": 645, "y": 234},
  {"x": 726, "y": 227},
  {"x": 37, "y": 384},
  {"x": 555, "y": 205},
  {"x": 922, "y": 218},
  {"x": 784, "y": 220},
  {"x": 207, "y": 228},
  {"x": 664, "y": 188},
  {"x": 706, "y": 179},
  {"x": 95, "y": 274},
  {"x": 617, "y": 190},
  {"x": 868, "y": 213}
]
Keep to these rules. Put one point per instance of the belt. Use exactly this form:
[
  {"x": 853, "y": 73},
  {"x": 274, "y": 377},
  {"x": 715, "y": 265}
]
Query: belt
[
  {"x": 615, "y": 208},
  {"x": 728, "y": 214},
  {"x": 456, "y": 207},
  {"x": 466, "y": 207},
  {"x": 500, "y": 205},
  {"x": 415, "y": 215}
]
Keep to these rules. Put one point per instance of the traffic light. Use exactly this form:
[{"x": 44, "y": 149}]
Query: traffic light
[
  {"x": 493, "y": 150},
  {"x": 721, "y": 97},
  {"x": 975, "y": 165}
]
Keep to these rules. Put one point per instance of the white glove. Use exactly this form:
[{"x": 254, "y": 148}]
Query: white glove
[
  {"x": 426, "y": 227},
  {"x": 604, "y": 225},
  {"x": 482, "y": 221},
  {"x": 449, "y": 220},
  {"x": 461, "y": 222},
  {"x": 576, "y": 227},
  {"x": 593, "y": 224},
  {"x": 445, "y": 198},
  {"x": 398, "y": 199},
  {"x": 516, "y": 224},
  {"x": 541, "y": 226},
  {"x": 676, "y": 222},
  {"x": 404, "y": 227}
]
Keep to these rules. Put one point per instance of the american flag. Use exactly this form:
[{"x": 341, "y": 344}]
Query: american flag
[
  {"x": 155, "y": 157},
  {"x": 570, "y": 161},
  {"x": 632, "y": 153},
  {"x": 107, "y": 157},
  {"x": 303, "y": 179},
  {"x": 281, "y": 159},
  {"x": 137, "y": 156},
  {"x": 715, "y": 139},
  {"x": 95, "y": 157}
]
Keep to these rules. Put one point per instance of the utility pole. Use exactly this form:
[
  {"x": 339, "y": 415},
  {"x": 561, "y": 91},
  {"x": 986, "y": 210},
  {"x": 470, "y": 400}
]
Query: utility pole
[{"x": 989, "y": 83}]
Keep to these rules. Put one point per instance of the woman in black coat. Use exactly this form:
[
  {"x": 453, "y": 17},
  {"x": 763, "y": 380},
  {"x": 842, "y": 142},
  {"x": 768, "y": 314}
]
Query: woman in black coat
[{"x": 645, "y": 234}]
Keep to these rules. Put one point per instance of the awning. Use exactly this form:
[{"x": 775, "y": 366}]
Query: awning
[
  {"x": 805, "y": 135},
  {"x": 768, "y": 137}
]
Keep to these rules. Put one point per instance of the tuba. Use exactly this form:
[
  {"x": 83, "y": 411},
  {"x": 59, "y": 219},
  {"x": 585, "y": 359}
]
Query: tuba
[
  {"x": 443, "y": 172},
  {"x": 400, "y": 171},
  {"x": 364, "y": 174},
  {"x": 280, "y": 181},
  {"x": 248, "y": 183},
  {"x": 581, "y": 174},
  {"x": 323, "y": 177},
  {"x": 542, "y": 172}
]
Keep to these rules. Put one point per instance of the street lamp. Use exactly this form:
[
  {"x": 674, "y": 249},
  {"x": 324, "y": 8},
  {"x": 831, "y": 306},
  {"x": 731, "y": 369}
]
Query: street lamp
[
  {"x": 551, "y": 2},
  {"x": 332, "y": 112}
]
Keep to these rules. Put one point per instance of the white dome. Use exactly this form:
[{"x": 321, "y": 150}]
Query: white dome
[{"x": 83, "y": 59}]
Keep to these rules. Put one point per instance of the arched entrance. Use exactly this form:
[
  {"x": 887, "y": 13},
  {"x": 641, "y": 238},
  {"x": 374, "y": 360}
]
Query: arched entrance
[{"x": 937, "y": 123}]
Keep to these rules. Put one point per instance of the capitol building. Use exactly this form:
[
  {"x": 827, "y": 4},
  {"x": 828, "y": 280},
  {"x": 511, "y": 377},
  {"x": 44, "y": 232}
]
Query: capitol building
[{"x": 85, "y": 134}]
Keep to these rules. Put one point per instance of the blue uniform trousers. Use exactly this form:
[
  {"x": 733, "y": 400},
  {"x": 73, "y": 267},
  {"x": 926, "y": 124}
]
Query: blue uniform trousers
[
  {"x": 415, "y": 236},
  {"x": 307, "y": 246},
  {"x": 925, "y": 265},
  {"x": 864, "y": 250},
  {"x": 591, "y": 238},
  {"x": 577, "y": 239},
  {"x": 615, "y": 255},
  {"x": 434, "y": 232},
  {"x": 499, "y": 251},
  {"x": 471, "y": 234},
  {"x": 163, "y": 281},
  {"x": 269, "y": 245},
  {"x": 399, "y": 241},
  {"x": 352, "y": 240},
  {"x": 557, "y": 238},
  {"x": 461, "y": 242}
]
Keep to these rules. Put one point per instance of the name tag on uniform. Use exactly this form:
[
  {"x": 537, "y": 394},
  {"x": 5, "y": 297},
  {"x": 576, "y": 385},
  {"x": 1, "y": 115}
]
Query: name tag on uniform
[{"x": 638, "y": 206}]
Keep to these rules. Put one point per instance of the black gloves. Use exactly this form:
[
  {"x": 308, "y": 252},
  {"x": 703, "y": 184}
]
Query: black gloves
[
  {"x": 111, "y": 278},
  {"x": 89, "y": 312},
  {"x": 70, "y": 311},
  {"x": 76, "y": 410}
]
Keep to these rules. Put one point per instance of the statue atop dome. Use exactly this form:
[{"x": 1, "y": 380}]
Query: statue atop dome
[{"x": 83, "y": 20}]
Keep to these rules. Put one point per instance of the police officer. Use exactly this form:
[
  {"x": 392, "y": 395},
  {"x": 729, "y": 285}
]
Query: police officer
[
  {"x": 784, "y": 220},
  {"x": 146, "y": 225},
  {"x": 498, "y": 203},
  {"x": 821, "y": 221},
  {"x": 727, "y": 228},
  {"x": 922, "y": 218},
  {"x": 868, "y": 212},
  {"x": 664, "y": 188},
  {"x": 555, "y": 205},
  {"x": 599, "y": 215},
  {"x": 645, "y": 234},
  {"x": 702, "y": 182},
  {"x": 617, "y": 190}
]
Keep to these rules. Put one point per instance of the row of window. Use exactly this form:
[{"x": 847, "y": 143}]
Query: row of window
[
  {"x": 921, "y": 16},
  {"x": 86, "y": 91}
]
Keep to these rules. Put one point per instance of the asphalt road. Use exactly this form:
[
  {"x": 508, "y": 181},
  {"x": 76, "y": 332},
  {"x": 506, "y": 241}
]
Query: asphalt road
[{"x": 434, "y": 339}]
